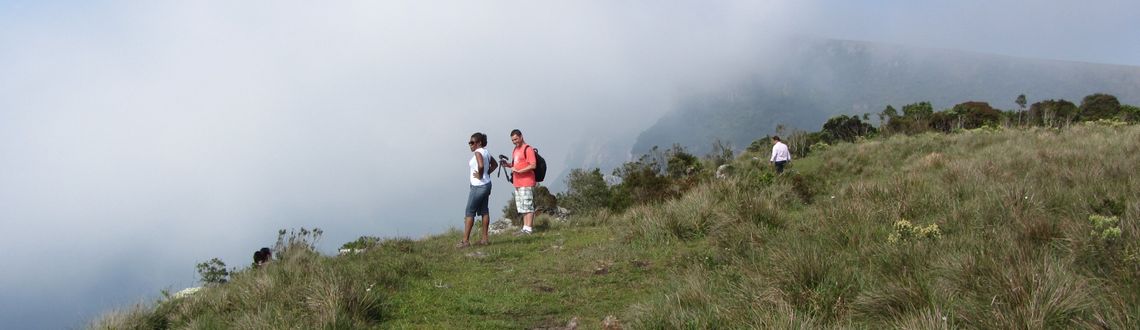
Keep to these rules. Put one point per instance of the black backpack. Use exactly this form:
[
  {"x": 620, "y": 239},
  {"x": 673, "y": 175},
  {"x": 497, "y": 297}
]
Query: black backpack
[{"x": 540, "y": 166}]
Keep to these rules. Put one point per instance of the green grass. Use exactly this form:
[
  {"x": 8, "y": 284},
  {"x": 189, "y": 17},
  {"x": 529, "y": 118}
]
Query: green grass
[
  {"x": 539, "y": 280},
  {"x": 808, "y": 249}
]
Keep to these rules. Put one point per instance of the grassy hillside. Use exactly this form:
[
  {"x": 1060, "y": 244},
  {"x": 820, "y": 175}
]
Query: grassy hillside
[{"x": 981, "y": 229}]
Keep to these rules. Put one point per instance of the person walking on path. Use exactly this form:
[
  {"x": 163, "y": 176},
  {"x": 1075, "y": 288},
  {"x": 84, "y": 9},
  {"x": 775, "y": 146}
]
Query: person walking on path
[
  {"x": 780, "y": 154},
  {"x": 480, "y": 167},
  {"x": 522, "y": 167}
]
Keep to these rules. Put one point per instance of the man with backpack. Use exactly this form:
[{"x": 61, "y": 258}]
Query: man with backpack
[{"x": 525, "y": 161}]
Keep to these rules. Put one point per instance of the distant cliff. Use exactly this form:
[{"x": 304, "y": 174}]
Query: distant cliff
[{"x": 821, "y": 78}]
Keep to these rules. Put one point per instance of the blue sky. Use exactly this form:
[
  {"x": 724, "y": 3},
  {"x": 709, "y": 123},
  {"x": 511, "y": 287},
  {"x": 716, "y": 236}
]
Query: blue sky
[{"x": 138, "y": 138}]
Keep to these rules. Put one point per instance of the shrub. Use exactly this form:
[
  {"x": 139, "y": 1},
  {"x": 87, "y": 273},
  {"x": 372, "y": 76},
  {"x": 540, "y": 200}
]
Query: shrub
[
  {"x": 680, "y": 163},
  {"x": 586, "y": 191},
  {"x": 1053, "y": 113},
  {"x": 975, "y": 115},
  {"x": 914, "y": 120},
  {"x": 544, "y": 200},
  {"x": 943, "y": 122},
  {"x": 1130, "y": 113},
  {"x": 1099, "y": 106},
  {"x": 819, "y": 146},
  {"x": 641, "y": 183},
  {"x": 759, "y": 145},
  {"x": 904, "y": 231},
  {"x": 213, "y": 272},
  {"x": 1105, "y": 228},
  {"x": 845, "y": 128},
  {"x": 362, "y": 243},
  {"x": 919, "y": 110}
]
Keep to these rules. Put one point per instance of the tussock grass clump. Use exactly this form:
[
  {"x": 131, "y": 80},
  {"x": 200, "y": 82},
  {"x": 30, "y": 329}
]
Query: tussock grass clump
[
  {"x": 697, "y": 301},
  {"x": 687, "y": 218},
  {"x": 135, "y": 317}
]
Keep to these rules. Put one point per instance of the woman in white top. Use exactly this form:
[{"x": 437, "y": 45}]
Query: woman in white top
[{"x": 480, "y": 167}]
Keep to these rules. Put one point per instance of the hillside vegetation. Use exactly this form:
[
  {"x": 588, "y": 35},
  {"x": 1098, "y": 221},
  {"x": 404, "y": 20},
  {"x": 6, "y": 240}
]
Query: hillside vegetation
[
  {"x": 821, "y": 78},
  {"x": 985, "y": 228}
]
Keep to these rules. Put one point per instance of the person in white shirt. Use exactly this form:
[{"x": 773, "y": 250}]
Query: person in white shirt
[
  {"x": 479, "y": 169},
  {"x": 780, "y": 154}
]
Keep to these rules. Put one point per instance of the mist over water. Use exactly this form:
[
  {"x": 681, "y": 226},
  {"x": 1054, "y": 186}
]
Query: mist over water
[{"x": 138, "y": 139}]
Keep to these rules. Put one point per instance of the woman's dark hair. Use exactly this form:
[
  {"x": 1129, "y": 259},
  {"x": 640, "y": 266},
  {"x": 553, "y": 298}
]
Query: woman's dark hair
[
  {"x": 516, "y": 132},
  {"x": 262, "y": 256},
  {"x": 479, "y": 138},
  {"x": 777, "y": 138}
]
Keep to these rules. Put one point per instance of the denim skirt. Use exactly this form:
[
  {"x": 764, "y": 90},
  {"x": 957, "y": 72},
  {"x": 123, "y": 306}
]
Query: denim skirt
[{"x": 478, "y": 199}]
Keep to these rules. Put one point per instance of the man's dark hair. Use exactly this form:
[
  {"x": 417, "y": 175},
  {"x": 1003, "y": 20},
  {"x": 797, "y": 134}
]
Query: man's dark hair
[
  {"x": 777, "y": 138},
  {"x": 479, "y": 138},
  {"x": 516, "y": 132}
]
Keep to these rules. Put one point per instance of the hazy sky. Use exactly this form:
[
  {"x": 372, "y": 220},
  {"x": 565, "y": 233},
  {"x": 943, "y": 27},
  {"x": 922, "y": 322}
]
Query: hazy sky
[{"x": 139, "y": 138}]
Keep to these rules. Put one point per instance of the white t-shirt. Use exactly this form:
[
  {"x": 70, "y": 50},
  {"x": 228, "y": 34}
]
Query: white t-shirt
[
  {"x": 473, "y": 165},
  {"x": 780, "y": 152}
]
